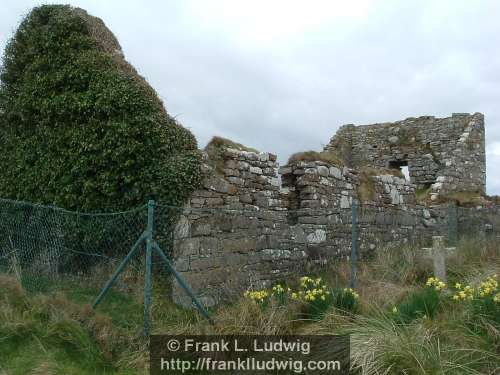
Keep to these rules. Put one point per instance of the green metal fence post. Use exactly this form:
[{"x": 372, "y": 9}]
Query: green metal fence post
[
  {"x": 119, "y": 270},
  {"x": 149, "y": 267},
  {"x": 354, "y": 242},
  {"x": 452, "y": 224},
  {"x": 183, "y": 283}
]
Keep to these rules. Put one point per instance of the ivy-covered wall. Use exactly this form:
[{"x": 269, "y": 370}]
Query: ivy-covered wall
[{"x": 79, "y": 127}]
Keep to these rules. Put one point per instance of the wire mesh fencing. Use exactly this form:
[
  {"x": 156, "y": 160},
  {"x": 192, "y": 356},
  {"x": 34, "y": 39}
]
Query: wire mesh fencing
[
  {"x": 52, "y": 249},
  {"x": 433, "y": 231},
  {"x": 46, "y": 247}
]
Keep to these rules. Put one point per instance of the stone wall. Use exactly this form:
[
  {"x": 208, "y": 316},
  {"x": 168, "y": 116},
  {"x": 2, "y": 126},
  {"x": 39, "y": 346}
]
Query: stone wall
[
  {"x": 479, "y": 220},
  {"x": 253, "y": 223},
  {"x": 234, "y": 232},
  {"x": 444, "y": 154},
  {"x": 245, "y": 229}
]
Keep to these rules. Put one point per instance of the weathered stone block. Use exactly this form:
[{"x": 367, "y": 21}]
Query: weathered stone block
[
  {"x": 188, "y": 246},
  {"x": 182, "y": 228},
  {"x": 201, "y": 229},
  {"x": 236, "y": 181},
  {"x": 243, "y": 166},
  {"x": 205, "y": 263},
  {"x": 323, "y": 171},
  {"x": 232, "y": 172},
  {"x": 219, "y": 185},
  {"x": 182, "y": 265},
  {"x": 318, "y": 236},
  {"x": 255, "y": 170},
  {"x": 345, "y": 201},
  {"x": 285, "y": 170},
  {"x": 208, "y": 245},
  {"x": 238, "y": 245}
]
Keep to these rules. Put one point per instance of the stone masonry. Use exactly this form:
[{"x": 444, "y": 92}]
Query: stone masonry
[
  {"x": 444, "y": 154},
  {"x": 253, "y": 223}
]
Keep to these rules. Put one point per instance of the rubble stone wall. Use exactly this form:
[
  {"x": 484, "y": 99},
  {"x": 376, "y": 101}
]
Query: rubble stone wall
[
  {"x": 253, "y": 223},
  {"x": 247, "y": 229},
  {"x": 445, "y": 154},
  {"x": 482, "y": 220}
]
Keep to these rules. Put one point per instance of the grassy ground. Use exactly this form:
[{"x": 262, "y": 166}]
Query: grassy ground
[{"x": 397, "y": 323}]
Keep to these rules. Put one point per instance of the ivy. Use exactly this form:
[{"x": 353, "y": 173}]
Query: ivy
[{"x": 79, "y": 128}]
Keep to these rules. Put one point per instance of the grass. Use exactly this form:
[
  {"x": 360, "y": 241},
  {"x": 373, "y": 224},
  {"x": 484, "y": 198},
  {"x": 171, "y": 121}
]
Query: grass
[
  {"x": 398, "y": 325},
  {"x": 417, "y": 304},
  {"x": 329, "y": 157},
  {"x": 422, "y": 194},
  {"x": 218, "y": 143},
  {"x": 217, "y": 147},
  {"x": 464, "y": 198},
  {"x": 59, "y": 332},
  {"x": 366, "y": 187},
  {"x": 55, "y": 334}
]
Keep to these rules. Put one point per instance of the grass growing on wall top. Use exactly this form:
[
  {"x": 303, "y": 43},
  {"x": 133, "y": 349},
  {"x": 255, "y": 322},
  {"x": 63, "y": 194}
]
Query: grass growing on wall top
[
  {"x": 329, "y": 157},
  {"x": 220, "y": 143},
  {"x": 217, "y": 147}
]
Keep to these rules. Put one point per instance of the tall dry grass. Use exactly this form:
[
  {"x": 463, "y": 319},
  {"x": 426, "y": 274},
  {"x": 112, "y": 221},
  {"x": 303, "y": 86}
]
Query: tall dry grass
[{"x": 457, "y": 340}]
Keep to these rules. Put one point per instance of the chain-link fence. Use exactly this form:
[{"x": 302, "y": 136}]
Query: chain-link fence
[
  {"x": 378, "y": 226},
  {"x": 45, "y": 245},
  {"x": 51, "y": 249}
]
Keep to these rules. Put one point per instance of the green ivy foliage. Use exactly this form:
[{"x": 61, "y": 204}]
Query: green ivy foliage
[{"x": 79, "y": 128}]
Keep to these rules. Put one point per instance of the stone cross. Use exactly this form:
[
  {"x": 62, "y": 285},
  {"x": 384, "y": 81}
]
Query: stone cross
[{"x": 438, "y": 252}]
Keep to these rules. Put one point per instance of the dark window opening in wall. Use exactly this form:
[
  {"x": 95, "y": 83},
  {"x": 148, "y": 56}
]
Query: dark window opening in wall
[{"x": 402, "y": 166}]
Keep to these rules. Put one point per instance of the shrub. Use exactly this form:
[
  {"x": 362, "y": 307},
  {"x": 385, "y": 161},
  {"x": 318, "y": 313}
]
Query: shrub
[
  {"x": 487, "y": 304},
  {"x": 279, "y": 295},
  {"x": 80, "y": 128}
]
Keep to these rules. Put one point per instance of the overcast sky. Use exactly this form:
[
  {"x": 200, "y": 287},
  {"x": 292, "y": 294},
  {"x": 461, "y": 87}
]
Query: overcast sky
[{"x": 282, "y": 76}]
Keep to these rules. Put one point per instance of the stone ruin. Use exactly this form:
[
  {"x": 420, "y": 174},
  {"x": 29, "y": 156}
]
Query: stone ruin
[
  {"x": 253, "y": 222},
  {"x": 442, "y": 154}
]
